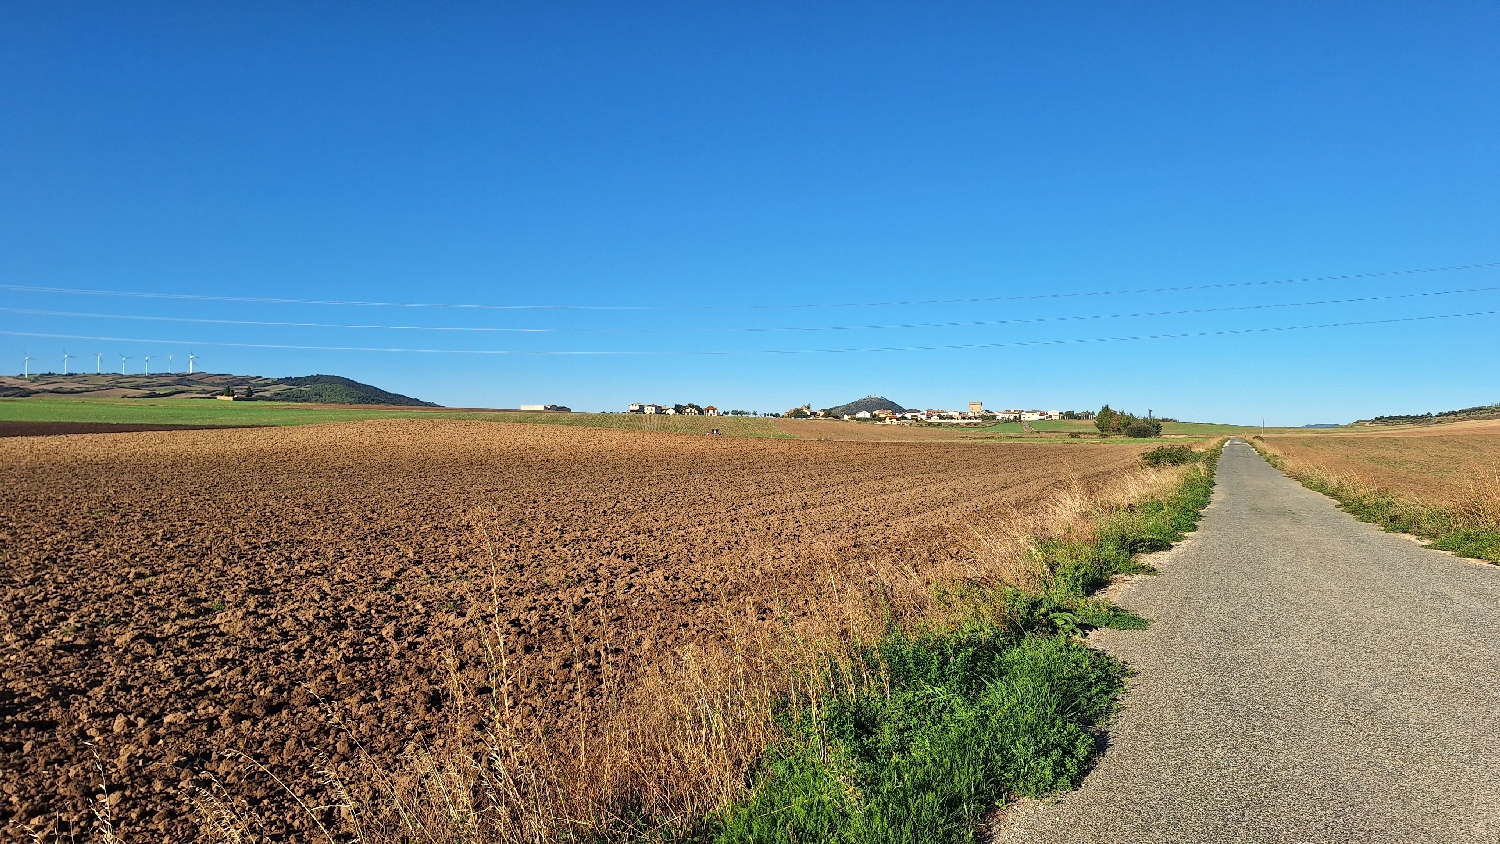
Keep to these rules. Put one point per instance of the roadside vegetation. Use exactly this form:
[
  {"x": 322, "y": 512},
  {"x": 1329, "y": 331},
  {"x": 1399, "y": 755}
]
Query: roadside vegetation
[
  {"x": 1443, "y": 487},
  {"x": 922, "y": 733},
  {"x": 1171, "y": 455}
]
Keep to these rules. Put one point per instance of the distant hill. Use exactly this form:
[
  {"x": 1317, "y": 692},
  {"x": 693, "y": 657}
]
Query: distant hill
[
  {"x": 334, "y": 389},
  {"x": 318, "y": 389},
  {"x": 869, "y": 403},
  {"x": 1486, "y": 411}
]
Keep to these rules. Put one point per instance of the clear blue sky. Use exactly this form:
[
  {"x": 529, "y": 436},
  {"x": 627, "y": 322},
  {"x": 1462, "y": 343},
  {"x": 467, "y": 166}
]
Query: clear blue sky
[{"x": 700, "y": 162}]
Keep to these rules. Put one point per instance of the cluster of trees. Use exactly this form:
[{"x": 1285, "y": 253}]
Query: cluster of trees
[{"x": 1110, "y": 421}]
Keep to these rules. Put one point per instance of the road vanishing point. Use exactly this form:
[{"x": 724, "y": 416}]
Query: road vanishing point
[{"x": 1305, "y": 678}]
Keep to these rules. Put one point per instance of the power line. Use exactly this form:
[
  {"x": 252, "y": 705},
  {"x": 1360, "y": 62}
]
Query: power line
[
  {"x": 608, "y": 353},
  {"x": 974, "y": 300},
  {"x": 953, "y": 324}
]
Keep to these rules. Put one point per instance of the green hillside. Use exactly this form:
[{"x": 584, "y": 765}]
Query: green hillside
[
  {"x": 317, "y": 389},
  {"x": 334, "y": 389}
]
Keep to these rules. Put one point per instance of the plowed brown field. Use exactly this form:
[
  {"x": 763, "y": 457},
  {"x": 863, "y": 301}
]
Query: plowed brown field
[{"x": 167, "y": 597}]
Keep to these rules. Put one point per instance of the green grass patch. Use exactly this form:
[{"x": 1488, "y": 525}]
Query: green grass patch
[
  {"x": 922, "y": 734},
  {"x": 1049, "y": 426},
  {"x": 971, "y": 714},
  {"x": 211, "y": 412},
  {"x": 1204, "y": 428}
]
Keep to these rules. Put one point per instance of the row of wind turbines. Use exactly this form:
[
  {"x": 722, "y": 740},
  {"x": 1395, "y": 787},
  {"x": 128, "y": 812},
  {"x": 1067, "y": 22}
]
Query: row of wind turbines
[{"x": 26, "y": 360}]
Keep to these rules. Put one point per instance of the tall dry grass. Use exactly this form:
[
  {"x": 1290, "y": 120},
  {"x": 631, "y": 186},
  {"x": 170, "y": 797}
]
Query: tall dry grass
[
  {"x": 1479, "y": 504},
  {"x": 673, "y": 735},
  {"x": 1471, "y": 499}
]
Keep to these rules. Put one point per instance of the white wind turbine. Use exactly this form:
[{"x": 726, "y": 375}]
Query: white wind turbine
[
  {"x": 98, "y": 363},
  {"x": 170, "y": 365},
  {"x": 123, "y": 358},
  {"x": 192, "y": 358},
  {"x": 148, "y": 363},
  {"x": 26, "y": 365},
  {"x": 66, "y": 358}
]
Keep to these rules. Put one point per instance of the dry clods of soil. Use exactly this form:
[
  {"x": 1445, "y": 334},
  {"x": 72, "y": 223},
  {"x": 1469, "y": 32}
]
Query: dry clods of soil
[{"x": 170, "y": 598}]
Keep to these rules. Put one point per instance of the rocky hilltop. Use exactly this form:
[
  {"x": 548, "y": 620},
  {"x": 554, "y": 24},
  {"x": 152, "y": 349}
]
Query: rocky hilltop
[{"x": 869, "y": 403}]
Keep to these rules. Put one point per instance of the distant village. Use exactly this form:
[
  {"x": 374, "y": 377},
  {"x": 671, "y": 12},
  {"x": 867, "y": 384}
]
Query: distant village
[
  {"x": 686, "y": 410},
  {"x": 891, "y": 414}
]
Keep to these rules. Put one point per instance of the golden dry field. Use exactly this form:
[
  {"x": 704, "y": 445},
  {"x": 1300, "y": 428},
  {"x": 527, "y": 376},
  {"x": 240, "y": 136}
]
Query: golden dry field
[
  {"x": 1449, "y": 466},
  {"x": 1438, "y": 482},
  {"x": 275, "y": 628}
]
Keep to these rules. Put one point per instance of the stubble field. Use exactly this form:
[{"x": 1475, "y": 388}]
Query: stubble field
[
  {"x": 1444, "y": 465},
  {"x": 336, "y": 601},
  {"x": 1438, "y": 482}
]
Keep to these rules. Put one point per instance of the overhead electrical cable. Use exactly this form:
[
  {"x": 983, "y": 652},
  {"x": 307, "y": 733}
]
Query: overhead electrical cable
[
  {"x": 953, "y": 324},
  {"x": 971, "y": 300},
  {"x": 615, "y": 353}
]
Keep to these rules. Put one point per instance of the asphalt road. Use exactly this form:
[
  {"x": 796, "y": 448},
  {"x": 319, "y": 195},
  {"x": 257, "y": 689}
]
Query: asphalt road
[{"x": 1305, "y": 678}]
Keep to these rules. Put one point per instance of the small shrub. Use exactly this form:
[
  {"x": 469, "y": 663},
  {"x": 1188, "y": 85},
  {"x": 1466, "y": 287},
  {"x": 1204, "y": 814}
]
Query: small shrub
[
  {"x": 1170, "y": 455},
  {"x": 1142, "y": 429}
]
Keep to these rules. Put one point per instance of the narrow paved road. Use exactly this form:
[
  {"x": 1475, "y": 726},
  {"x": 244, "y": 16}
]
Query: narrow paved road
[{"x": 1305, "y": 678}]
